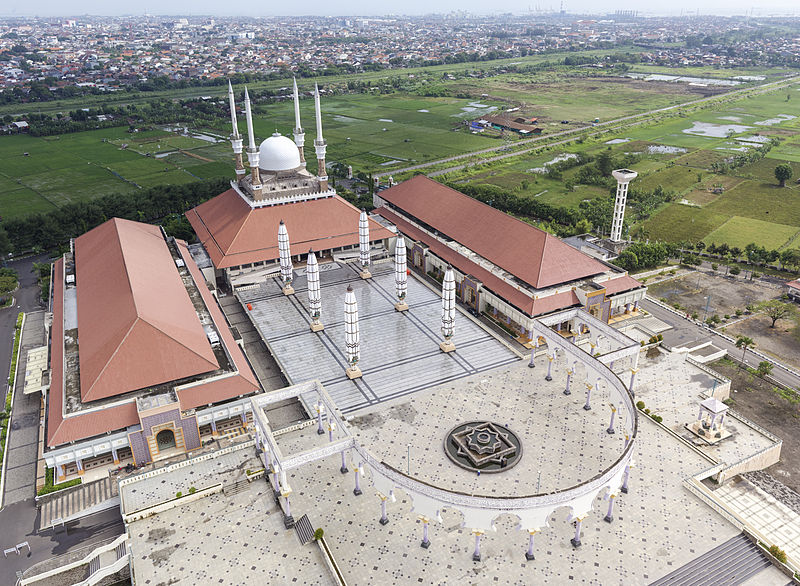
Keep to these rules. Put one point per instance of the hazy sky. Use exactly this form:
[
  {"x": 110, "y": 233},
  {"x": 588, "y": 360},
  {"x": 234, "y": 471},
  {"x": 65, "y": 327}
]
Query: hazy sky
[{"x": 379, "y": 7}]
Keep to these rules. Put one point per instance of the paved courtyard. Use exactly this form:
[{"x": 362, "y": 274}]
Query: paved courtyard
[{"x": 399, "y": 351}]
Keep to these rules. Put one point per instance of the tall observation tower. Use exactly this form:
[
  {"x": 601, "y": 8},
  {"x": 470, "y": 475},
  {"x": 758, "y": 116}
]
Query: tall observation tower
[{"x": 623, "y": 177}]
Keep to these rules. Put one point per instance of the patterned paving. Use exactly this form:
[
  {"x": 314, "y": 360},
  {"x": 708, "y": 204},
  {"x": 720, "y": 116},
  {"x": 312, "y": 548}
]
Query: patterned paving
[{"x": 399, "y": 351}]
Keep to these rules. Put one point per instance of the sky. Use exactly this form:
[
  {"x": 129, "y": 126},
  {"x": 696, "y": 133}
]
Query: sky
[{"x": 382, "y": 7}]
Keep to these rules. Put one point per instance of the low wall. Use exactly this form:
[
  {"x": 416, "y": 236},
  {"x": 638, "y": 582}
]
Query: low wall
[
  {"x": 723, "y": 390},
  {"x": 758, "y": 461},
  {"x": 172, "y": 503}
]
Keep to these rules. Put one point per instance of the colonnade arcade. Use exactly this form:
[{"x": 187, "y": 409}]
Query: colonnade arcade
[{"x": 479, "y": 512}]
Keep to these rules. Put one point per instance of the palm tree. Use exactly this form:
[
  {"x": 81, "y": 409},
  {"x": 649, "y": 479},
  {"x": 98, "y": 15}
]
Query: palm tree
[{"x": 744, "y": 343}]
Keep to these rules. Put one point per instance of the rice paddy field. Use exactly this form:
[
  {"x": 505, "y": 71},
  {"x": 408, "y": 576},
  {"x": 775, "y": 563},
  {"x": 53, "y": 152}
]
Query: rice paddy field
[{"x": 381, "y": 133}]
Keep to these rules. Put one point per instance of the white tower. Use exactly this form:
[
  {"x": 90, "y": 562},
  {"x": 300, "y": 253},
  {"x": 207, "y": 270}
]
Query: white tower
[
  {"x": 623, "y": 177},
  {"x": 299, "y": 133},
  {"x": 320, "y": 146},
  {"x": 448, "y": 310},
  {"x": 236, "y": 138},
  {"x": 352, "y": 339},
  {"x": 252, "y": 151}
]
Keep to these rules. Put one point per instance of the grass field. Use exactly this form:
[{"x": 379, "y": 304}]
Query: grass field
[{"x": 740, "y": 232}]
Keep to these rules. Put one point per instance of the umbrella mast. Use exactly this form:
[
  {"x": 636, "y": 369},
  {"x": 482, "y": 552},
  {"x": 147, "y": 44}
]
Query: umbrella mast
[
  {"x": 400, "y": 274},
  {"x": 351, "y": 335},
  {"x": 448, "y": 310},
  {"x": 363, "y": 244},
  {"x": 285, "y": 259},
  {"x": 314, "y": 298}
]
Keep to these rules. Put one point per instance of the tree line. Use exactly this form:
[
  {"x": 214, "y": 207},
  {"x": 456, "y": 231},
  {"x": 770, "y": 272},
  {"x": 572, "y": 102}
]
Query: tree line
[{"x": 51, "y": 230}]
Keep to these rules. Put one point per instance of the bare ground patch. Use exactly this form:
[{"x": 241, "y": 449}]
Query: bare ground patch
[
  {"x": 759, "y": 401},
  {"x": 781, "y": 341},
  {"x": 727, "y": 294}
]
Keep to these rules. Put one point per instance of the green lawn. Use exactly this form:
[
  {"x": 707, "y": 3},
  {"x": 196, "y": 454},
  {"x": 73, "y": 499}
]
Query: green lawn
[
  {"x": 676, "y": 223},
  {"x": 740, "y": 232}
]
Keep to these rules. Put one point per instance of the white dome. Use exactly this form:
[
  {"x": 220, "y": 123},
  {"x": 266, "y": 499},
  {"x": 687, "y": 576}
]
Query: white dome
[{"x": 278, "y": 153}]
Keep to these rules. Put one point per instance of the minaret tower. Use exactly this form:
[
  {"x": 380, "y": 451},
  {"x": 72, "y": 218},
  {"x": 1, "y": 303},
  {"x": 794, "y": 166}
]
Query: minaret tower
[
  {"x": 320, "y": 145},
  {"x": 236, "y": 138},
  {"x": 299, "y": 134},
  {"x": 252, "y": 151},
  {"x": 623, "y": 177}
]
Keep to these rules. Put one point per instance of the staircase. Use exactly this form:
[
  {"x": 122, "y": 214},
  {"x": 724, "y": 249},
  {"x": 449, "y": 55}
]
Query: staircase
[
  {"x": 731, "y": 563},
  {"x": 236, "y": 487},
  {"x": 304, "y": 530},
  {"x": 78, "y": 501}
]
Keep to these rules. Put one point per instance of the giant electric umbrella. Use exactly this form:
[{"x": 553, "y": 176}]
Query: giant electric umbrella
[
  {"x": 400, "y": 274},
  {"x": 314, "y": 298},
  {"x": 285, "y": 259},
  {"x": 363, "y": 244},
  {"x": 351, "y": 335},
  {"x": 448, "y": 309}
]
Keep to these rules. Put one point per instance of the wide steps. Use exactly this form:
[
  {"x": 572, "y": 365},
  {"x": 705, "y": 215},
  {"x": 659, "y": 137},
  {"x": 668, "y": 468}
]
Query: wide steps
[
  {"x": 729, "y": 564},
  {"x": 235, "y": 488},
  {"x": 304, "y": 530},
  {"x": 71, "y": 502}
]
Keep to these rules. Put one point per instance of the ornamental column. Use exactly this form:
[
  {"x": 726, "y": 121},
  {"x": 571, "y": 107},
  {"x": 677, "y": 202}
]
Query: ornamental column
[
  {"x": 529, "y": 553},
  {"x": 550, "y": 359},
  {"x": 426, "y": 543},
  {"x": 611, "y": 429},
  {"x": 633, "y": 376},
  {"x": 320, "y": 146},
  {"x": 610, "y": 513},
  {"x": 299, "y": 133},
  {"x": 533, "y": 351},
  {"x": 587, "y": 406},
  {"x": 384, "y": 520},
  {"x": 314, "y": 296},
  {"x": 285, "y": 257},
  {"x": 476, "y": 555},
  {"x": 448, "y": 310},
  {"x": 625, "y": 476},
  {"x": 576, "y": 541},
  {"x": 320, "y": 408},
  {"x": 570, "y": 372},
  {"x": 351, "y": 334},
  {"x": 400, "y": 274},
  {"x": 359, "y": 472},
  {"x": 363, "y": 244}
]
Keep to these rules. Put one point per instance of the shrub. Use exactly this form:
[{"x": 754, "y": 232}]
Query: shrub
[
  {"x": 657, "y": 418},
  {"x": 647, "y": 411},
  {"x": 640, "y": 405},
  {"x": 178, "y": 494},
  {"x": 695, "y": 315},
  {"x": 727, "y": 316},
  {"x": 739, "y": 313},
  {"x": 192, "y": 490},
  {"x": 660, "y": 337},
  {"x": 318, "y": 534},
  {"x": 777, "y": 553},
  {"x": 714, "y": 266}
]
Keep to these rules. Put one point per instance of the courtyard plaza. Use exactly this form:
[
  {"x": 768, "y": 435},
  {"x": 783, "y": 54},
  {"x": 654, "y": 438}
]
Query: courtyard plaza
[
  {"x": 673, "y": 387},
  {"x": 657, "y": 527},
  {"x": 399, "y": 350}
]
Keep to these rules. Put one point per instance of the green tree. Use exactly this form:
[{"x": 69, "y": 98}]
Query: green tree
[
  {"x": 764, "y": 368},
  {"x": 744, "y": 343},
  {"x": 783, "y": 173},
  {"x": 776, "y": 310},
  {"x": 790, "y": 258}
]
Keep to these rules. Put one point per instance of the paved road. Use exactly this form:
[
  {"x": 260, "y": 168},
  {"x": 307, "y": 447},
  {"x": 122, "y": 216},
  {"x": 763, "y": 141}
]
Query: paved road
[
  {"x": 19, "y": 526},
  {"x": 687, "y": 331},
  {"x": 26, "y": 299}
]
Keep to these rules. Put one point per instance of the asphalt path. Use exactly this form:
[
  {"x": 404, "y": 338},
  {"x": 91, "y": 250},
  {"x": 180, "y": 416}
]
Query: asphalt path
[
  {"x": 19, "y": 523},
  {"x": 26, "y": 298},
  {"x": 685, "y": 330}
]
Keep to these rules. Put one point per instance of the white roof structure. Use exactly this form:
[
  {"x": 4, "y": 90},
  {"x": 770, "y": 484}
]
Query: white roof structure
[
  {"x": 278, "y": 153},
  {"x": 714, "y": 406}
]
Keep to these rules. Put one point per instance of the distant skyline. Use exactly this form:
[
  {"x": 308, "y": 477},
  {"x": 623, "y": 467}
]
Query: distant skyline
[{"x": 412, "y": 7}]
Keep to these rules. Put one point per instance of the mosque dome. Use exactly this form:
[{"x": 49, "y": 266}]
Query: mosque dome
[{"x": 278, "y": 153}]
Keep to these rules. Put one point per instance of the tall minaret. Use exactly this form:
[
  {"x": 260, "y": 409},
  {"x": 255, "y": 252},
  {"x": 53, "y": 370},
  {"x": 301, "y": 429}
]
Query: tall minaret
[
  {"x": 236, "y": 138},
  {"x": 252, "y": 151},
  {"x": 320, "y": 145},
  {"x": 623, "y": 177},
  {"x": 299, "y": 134}
]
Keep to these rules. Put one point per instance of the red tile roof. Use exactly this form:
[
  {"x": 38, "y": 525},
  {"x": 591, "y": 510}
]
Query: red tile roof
[
  {"x": 235, "y": 234},
  {"x": 620, "y": 284},
  {"x": 137, "y": 326},
  {"x": 82, "y": 425},
  {"x": 530, "y": 254},
  {"x": 510, "y": 293},
  {"x": 794, "y": 284}
]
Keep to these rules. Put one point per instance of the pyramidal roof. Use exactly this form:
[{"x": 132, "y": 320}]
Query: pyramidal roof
[
  {"x": 137, "y": 326},
  {"x": 530, "y": 254}
]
